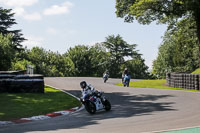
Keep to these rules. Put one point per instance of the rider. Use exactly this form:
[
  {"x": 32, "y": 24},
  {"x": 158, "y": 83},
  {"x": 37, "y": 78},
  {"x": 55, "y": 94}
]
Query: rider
[
  {"x": 125, "y": 72},
  {"x": 106, "y": 75},
  {"x": 127, "y": 78},
  {"x": 86, "y": 89}
]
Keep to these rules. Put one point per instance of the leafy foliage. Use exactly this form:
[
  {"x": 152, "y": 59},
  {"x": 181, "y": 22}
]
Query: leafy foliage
[
  {"x": 80, "y": 56},
  {"x": 99, "y": 58},
  {"x": 118, "y": 49},
  {"x": 7, "y": 53},
  {"x": 179, "y": 51},
  {"x": 20, "y": 64},
  {"x": 9, "y": 39},
  {"x": 88, "y": 61},
  {"x": 137, "y": 68},
  {"x": 146, "y": 11},
  {"x": 47, "y": 63},
  {"x": 164, "y": 11}
]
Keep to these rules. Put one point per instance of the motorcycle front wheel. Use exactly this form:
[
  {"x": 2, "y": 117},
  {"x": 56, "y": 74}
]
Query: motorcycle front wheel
[
  {"x": 107, "y": 105},
  {"x": 90, "y": 107}
]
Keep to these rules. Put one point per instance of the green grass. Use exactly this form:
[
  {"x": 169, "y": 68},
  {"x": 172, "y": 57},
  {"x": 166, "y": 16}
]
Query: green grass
[
  {"x": 197, "y": 71},
  {"x": 158, "y": 84},
  {"x": 17, "y": 105}
]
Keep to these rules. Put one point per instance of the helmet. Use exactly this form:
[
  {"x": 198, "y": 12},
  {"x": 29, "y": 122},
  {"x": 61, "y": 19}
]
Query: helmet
[{"x": 83, "y": 84}]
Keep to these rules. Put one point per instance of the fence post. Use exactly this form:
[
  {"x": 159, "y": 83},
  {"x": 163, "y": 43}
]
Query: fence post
[
  {"x": 29, "y": 69},
  {"x": 196, "y": 82}
]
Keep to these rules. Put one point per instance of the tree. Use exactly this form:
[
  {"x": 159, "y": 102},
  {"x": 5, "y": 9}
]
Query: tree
[
  {"x": 38, "y": 57},
  {"x": 165, "y": 11},
  {"x": 118, "y": 49},
  {"x": 57, "y": 62},
  {"x": 49, "y": 63},
  {"x": 99, "y": 58},
  {"x": 80, "y": 56},
  {"x": 6, "y": 22},
  {"x": 137, "y": 68},
  {"x": 20, "y": 64},
  {"x": 88, "y": 60},
  {"x": 179, "y": 49},
  {"x": 7, "y": 53}
]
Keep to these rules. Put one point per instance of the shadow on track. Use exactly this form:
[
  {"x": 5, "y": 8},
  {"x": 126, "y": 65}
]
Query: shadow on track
[{"x": 123, "y": 106}]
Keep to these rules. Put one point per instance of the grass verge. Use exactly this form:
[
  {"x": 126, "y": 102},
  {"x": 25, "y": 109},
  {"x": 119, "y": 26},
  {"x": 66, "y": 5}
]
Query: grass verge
[
  {"x": 17, "y": 105},
  {"x": 158, "y": 84},
  {"x": 197, "y": 71}
]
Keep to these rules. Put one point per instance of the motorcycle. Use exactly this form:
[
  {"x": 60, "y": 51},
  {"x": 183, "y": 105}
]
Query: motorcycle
[
  {"x": 105, "y": 77},
  {"x": 95, "y": 102},
  {"x": 126, "y": 80}
]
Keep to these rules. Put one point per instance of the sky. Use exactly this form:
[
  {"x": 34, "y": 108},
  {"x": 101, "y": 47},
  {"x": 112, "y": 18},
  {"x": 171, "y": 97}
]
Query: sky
[{"x": 57, "y": 25}]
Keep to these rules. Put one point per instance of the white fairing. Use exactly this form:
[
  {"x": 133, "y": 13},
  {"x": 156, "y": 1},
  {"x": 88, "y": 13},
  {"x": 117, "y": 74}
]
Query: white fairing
[
  {"x": 105, "y": 75},
  {"x": 99, "y": 104}
]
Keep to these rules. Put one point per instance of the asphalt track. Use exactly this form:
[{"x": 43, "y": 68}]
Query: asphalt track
[{"x": 134, "y": 110}]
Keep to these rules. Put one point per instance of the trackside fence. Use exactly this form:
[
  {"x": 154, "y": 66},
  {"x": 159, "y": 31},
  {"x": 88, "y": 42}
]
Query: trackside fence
[{"x": 183, "y": 80}]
